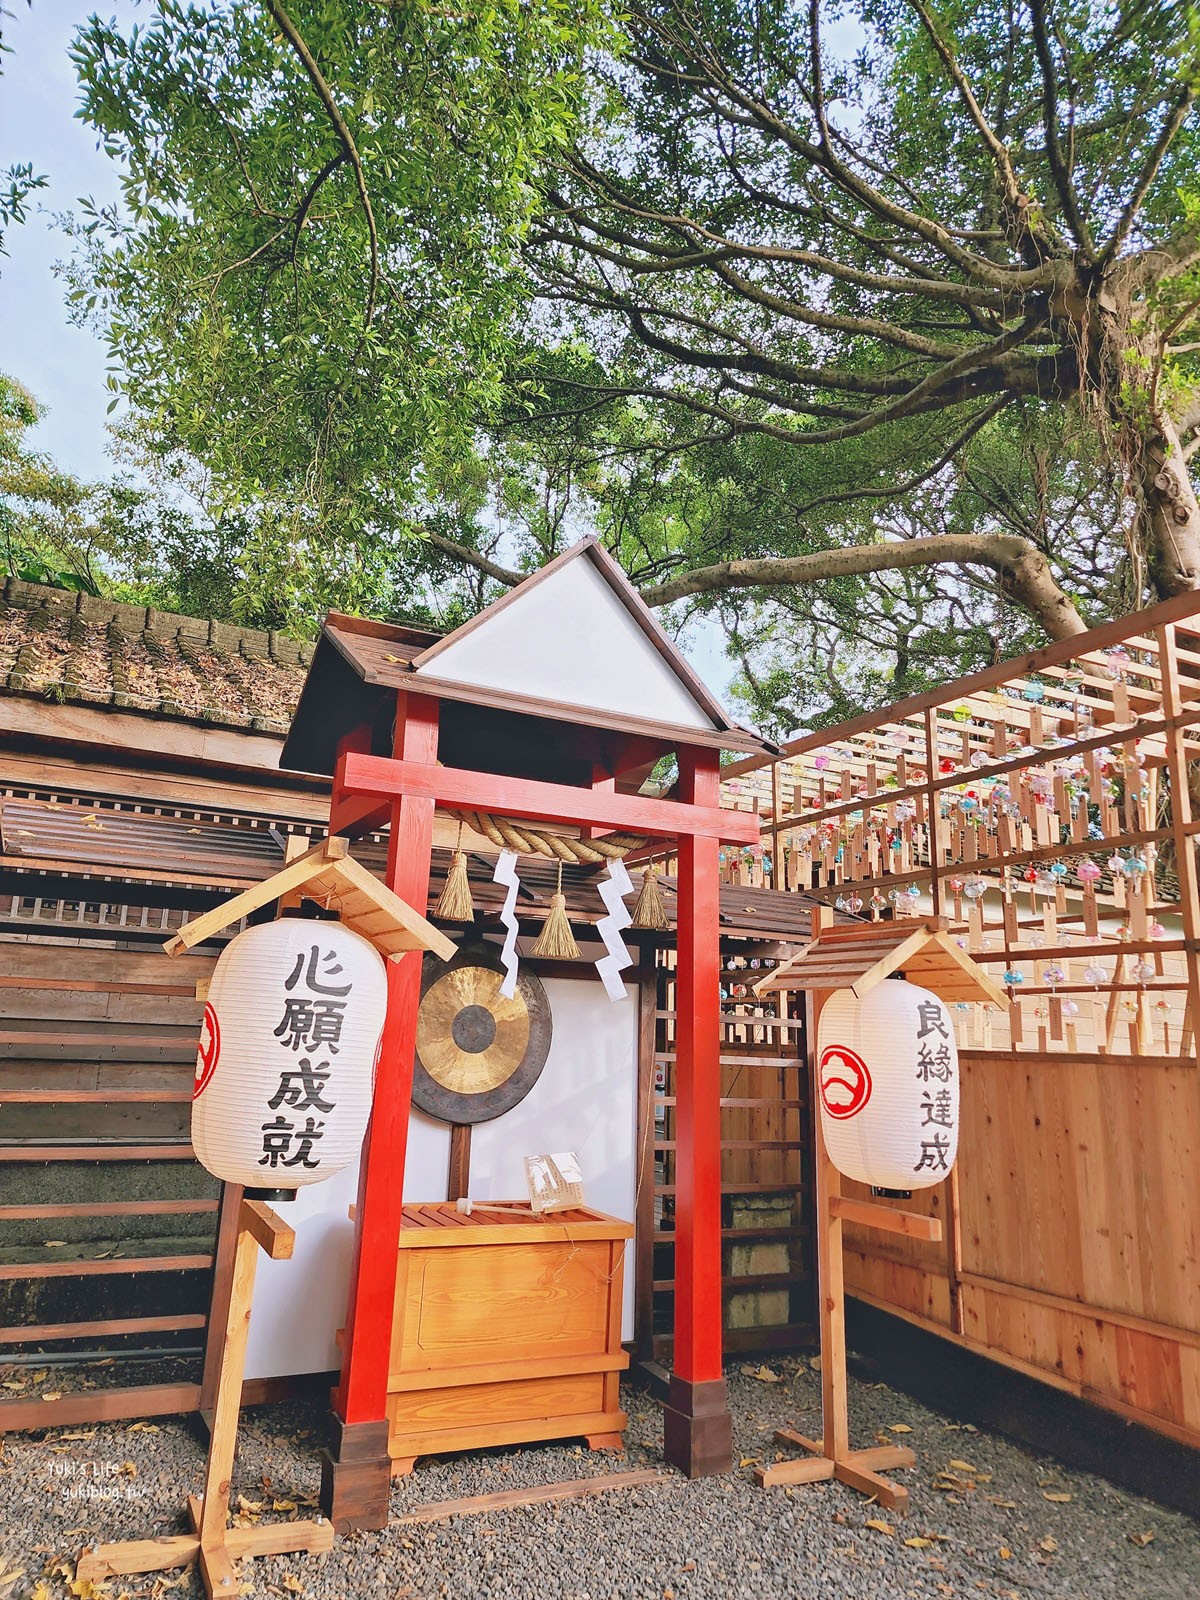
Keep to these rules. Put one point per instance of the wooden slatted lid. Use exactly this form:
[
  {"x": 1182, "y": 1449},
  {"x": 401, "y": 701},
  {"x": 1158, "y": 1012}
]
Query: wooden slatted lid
[{"x": 858, "y": 958}]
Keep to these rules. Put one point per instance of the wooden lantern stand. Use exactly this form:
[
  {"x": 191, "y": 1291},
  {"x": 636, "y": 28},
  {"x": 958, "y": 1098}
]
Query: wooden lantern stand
[
  {"x": 217, "y": 1545},
  {"x": 857, "y": 958},
  {"x": 325, "y": 873}
]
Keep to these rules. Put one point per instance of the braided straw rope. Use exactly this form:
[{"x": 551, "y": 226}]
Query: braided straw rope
[{"x": 531, "y": 842}]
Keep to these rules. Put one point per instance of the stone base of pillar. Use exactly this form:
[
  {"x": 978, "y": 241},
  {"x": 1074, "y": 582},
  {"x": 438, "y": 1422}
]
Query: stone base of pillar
[
  {"x": 697, "y": 1427},
  {"x": 356, "y": 1475}
]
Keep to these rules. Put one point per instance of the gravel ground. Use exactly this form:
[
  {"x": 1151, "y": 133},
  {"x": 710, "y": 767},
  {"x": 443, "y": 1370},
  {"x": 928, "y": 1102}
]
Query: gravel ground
[{"x": 987, "y": 1516}]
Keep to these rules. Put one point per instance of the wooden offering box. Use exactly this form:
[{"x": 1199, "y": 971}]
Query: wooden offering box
[{"x": 507, "y": 1328}]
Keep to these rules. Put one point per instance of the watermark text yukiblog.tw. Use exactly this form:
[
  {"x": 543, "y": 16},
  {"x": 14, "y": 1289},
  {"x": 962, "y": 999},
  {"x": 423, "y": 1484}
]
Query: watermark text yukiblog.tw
[{"x": 95, "y": 1480}]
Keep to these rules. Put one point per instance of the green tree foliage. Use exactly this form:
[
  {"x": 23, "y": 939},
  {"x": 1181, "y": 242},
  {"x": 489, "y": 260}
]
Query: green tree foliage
[
  {"x": 18, "y": 180},
  {"x": 874, "y": 321},
  {"x": 310, "y": 284},
  {"x": 864, "y": 232},
  {"x": 44, "y": 529}
]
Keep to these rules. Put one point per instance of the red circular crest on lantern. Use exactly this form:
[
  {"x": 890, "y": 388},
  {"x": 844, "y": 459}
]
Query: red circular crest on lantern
[
  {"x": 844, "y": 1080},
  {"x": 210, "y": 1051}
]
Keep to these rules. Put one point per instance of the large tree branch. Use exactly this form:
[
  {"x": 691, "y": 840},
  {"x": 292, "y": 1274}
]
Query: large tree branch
[
  {"x": 656, "y": 258},
  {"x": 472, "y": 558},
  {"x": 1023, "y": 572},
  {"x": 1060, "y": 165},
  {"x": 981, "y": 376},
  {"x": 1171, "y": 126},
  {"x": 824, "y": 158},
  {"x": 346, "y": 139}
]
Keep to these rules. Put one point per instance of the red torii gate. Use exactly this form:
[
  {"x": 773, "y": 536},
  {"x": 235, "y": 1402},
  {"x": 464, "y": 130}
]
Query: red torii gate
[{"x": 525, "y": 739}]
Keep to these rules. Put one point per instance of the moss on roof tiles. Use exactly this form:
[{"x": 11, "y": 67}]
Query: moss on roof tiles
[{"x": 66, "y": 647}]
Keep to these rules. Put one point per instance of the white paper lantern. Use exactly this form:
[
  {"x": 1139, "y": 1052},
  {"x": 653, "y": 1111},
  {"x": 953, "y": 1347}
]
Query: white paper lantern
[
  {"x": 887, "y": 1076},
  {"x": 287, "y": 1057}
]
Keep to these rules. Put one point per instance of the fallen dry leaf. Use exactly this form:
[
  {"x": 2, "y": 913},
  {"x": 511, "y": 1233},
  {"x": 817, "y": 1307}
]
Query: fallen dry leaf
[
  {"x": 1058, "y": 1497},
  {"x": 879, "y": 1525},
  {"x": 293, "y": 1583},
  {"x": 283, "y": 1505},
  {"x": 11, "y": 1577},
  {"x": 85, "y": 1589},
  {"x": 51, "y": 1394},
  {"x": 750, "y": 1461},
  {"x": 1008, "y": 1505},
  {"x": 962, "y": 1466},
  {"x": 1049, "y": 1544},
  {"x": 54, "y": 1244},
  {"x": 143, "y": 1427},
  {"x": 815, "y": 1363},
  {"x": 1004, "y": 1553},
  {"x": 918, "y": 1543},
  {"x": 1141, "y": 1539},
  {"x": 763, "y": 1374},
  {"x": 900, "y": 1427}
]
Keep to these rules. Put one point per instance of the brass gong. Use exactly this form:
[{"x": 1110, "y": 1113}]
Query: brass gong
[{"x": 478, "y": 1054}]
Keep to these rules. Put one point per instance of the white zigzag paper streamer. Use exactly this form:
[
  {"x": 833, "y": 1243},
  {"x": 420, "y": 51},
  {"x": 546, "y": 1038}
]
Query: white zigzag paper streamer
[
  {"x": 609, "y": 928},
  {"x": 506, "y": 873}
]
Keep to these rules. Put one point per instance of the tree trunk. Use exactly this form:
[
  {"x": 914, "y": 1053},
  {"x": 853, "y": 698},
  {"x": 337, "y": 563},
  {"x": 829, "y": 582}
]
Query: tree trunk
[{"x": 1171, "y": 514}]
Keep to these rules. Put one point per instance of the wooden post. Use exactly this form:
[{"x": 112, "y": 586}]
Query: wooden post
[
  {"x": 643, "y": 1318},
  {"x": 224, "y": 1254},
  {"x": 356, "y": 1470},
  {"x": 698, "y": 1429},
  {"x": 217, "y": 1546},
  {"x": 1181, "y": 817},
  {"x": 458, "y": 1178}
]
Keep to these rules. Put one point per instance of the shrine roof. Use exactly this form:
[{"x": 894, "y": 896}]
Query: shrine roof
[{"x": 574, "y": 643}]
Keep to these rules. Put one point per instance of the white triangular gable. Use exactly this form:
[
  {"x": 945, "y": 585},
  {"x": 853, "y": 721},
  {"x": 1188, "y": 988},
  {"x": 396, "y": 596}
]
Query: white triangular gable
[{"x": 571, "y": 639}]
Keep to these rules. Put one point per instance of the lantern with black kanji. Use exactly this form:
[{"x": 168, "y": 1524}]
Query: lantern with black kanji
[
  {"x": 887, "y": 1076},
  {"x": 287, "y": 1058}
]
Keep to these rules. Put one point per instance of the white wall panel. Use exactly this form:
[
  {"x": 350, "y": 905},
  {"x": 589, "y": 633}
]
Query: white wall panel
[{"x": 585, "y": 1100}]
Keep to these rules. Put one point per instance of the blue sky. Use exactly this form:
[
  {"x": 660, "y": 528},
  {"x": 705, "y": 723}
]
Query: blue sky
[{"x": 64, "y": 365}]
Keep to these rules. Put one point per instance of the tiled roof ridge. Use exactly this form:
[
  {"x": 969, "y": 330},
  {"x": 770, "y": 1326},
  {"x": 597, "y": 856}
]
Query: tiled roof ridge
[
  {"x": 231, "y": 637},
  {"x": 60, "y": 645}
]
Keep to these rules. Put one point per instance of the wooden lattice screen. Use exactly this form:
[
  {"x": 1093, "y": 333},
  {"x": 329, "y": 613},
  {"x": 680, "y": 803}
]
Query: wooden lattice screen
[{"x": 1043, "y": 807}]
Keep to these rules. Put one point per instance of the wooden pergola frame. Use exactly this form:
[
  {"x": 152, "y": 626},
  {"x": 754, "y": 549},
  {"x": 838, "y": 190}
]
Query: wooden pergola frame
[{"x": 1123, "y": 693}]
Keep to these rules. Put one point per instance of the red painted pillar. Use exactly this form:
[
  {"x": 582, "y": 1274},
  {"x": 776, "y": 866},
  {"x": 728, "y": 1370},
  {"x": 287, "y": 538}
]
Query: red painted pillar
[
  {"x": 698, "y": 1430},
  {"x": 356, "y": 1473}
]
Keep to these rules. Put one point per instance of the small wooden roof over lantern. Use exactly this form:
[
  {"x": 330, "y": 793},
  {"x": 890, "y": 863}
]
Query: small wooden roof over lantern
[
  {"x": 329, "y": 875},
  {"x": 859, "y": 956}
]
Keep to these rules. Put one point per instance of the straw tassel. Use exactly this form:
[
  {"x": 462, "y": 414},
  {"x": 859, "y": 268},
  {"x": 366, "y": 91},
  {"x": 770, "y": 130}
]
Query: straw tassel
[
  {"x": 454, "y": 902},
  {"x": 650, "y": 911},
  {"x": 556, "y": 941}
]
